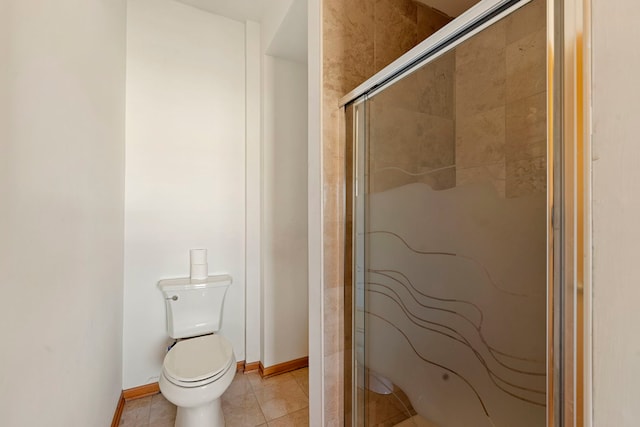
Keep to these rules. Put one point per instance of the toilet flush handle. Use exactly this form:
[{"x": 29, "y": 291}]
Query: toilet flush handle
[{"x": 173, "y": 298}]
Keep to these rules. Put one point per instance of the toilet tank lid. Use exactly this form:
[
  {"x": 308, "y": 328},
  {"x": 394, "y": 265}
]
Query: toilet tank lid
[{"x": 186, "y": 283}]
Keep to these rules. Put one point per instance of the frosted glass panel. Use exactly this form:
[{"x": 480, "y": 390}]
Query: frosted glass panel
[{"x": 450, "y": 301}]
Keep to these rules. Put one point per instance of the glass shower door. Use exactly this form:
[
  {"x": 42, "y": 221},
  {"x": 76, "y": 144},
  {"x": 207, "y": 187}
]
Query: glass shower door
[{"x": 450, "y": 236}]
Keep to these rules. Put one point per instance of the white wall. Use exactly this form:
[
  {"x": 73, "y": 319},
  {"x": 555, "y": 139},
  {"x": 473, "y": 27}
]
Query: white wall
[
  {"x": 284, "y": 204},
  {"x": 62, "y": 118},
  {"x": 185, "y": 174},
  {"x": 253, "y": 297},
  {"x": 616, "y": 209},
  {"x": 314, "y": 215}
]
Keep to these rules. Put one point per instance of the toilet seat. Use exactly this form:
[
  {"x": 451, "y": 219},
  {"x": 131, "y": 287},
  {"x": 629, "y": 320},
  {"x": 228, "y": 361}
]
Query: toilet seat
[{"x": 198, "y": 361}]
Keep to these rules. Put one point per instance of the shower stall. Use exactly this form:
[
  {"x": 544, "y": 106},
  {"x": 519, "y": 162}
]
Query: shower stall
[{"x": 450, "y": 237}]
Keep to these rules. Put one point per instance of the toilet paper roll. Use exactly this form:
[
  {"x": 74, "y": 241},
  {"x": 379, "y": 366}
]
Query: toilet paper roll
[
  {"x": 199, "y": 271},
  {"x": 198, "y": 256}
]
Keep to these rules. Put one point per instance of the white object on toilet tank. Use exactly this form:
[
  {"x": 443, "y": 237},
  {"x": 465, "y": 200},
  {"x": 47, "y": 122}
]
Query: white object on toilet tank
[
  {"x": 199, "y": 271},
  {"x": 199, "y": 268},
  {"x": 194, "y": 307},
  {"x": 198, "y": 256}
]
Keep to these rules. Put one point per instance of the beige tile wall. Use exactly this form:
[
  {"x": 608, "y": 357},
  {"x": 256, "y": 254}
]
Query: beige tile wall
[
  {"x": 411, "y": 129},
  {"x": 501, "y": 104},
  {"x": 360, "y": 37},
  {"x": 494, "y": 130},
  {"x": 478, "y": 113}
]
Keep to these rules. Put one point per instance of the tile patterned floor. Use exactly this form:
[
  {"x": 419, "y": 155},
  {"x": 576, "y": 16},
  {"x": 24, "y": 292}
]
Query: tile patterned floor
[{"x": 280, "y": 401}]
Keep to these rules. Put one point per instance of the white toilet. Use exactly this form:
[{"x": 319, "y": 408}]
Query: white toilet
[{"x": 201, "y": 365}]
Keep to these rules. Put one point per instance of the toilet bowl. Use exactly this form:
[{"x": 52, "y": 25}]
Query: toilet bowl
[
  {"x": 195, "y": 374},
  {"x": 200, "y": 367}
]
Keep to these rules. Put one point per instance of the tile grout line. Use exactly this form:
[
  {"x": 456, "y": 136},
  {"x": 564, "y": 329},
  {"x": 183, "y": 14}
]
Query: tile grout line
[
  {"x": 296, "y": 382},
  {"x": 253, "y": 392},
  {"x": 304, "y": 389},
  {"x": 287, "y": 414},
  {"x": 149, "y": 414},
  {"x": 266, "y": 422}
]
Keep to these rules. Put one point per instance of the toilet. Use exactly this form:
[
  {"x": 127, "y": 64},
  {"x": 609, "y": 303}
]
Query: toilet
[{"x": 201, "y": 364}]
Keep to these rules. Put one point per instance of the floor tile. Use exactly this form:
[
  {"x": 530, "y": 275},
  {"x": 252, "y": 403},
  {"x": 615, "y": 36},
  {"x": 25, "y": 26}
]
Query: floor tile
[
  {"x": 258, "y": 382},
  {"x": 279, "y": 399},
  {"x": 295, "y": 419},
  {"x": 161, "y": 410},
  {"x": 163, "y": 423},
  {"x": 242, "y": 410},
  {"x": 239, "y": 387},
  {"x": 136, "y": 413},
  {"x": 302, "y": 377},
  {"x": 248, "y": 402}
]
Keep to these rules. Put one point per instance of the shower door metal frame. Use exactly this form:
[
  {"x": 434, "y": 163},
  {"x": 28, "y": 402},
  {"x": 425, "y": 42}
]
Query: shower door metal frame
[
  {"x": 359, "y": 178},
  {"x": 569, "y": 138},
  {"x": 568, "y": 166}
]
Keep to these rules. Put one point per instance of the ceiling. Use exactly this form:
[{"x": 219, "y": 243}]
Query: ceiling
[
  {"x": 452, "y": 8},
  {"x": 254, "y": 10},
  {"x": 240, "y": 10},
  {"x": 290, "y": 41}
]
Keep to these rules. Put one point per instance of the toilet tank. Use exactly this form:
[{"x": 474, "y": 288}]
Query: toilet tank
[{"x": 194, "y": 307}]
